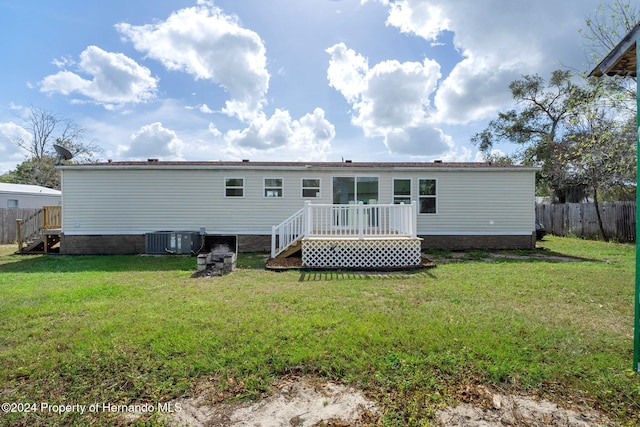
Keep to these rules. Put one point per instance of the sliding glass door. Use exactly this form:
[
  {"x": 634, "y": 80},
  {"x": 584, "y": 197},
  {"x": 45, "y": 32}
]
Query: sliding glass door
[{"x": 348, "y": 190}]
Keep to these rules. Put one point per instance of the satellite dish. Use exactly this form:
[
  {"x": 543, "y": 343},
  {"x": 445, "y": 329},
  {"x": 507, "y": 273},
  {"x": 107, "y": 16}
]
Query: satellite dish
[{"x": 63, "y": 154}]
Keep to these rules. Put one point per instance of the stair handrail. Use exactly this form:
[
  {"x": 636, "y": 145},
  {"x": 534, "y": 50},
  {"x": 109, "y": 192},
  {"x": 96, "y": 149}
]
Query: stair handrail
[
  {"x": 288, "y": 232},
  {"x": 47, "y": 218},
  {"x": 29, "y": 228}
]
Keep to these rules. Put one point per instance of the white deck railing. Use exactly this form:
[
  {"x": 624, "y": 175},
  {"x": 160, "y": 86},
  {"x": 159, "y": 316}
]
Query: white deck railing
[
  {"x": 287, "y": 232},
  {"x": 344, "y": 221}
]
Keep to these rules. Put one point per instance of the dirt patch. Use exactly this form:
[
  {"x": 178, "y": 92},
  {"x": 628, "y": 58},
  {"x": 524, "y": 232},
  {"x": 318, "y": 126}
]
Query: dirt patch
[
  {"x": 294, "y": 402},
  {"x": 309, "y": 402},
  {"x": 520, "y": 411}
]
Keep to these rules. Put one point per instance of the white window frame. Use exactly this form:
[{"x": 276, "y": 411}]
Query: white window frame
[
  {"x": 266, "y": 188},
  {"x": 355, "y": 183},
  {"x": 420, "y": 196},
  {"x": 319, "y": 188},
  {"x": 393, "y": 190},
  {"x": 227, "y": 187},
  {"x": 14, "y": 205}
]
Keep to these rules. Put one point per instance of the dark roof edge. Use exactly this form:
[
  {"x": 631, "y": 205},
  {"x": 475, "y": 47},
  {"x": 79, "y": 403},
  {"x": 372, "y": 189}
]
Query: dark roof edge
[
  {"x": 616, "y": 54},
  {"x": 156, "y": 164}
]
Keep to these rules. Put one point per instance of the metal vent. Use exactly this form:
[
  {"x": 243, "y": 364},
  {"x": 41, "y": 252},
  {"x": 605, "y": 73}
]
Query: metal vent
[{"x": 172, "y": 242}]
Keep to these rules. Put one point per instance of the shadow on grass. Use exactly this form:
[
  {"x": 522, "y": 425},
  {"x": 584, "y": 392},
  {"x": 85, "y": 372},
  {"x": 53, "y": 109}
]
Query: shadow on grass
[
  {"x": 330, "y": 275},
  {"x": 107, "y": 263},
  {"x": 505, "y": 255}
]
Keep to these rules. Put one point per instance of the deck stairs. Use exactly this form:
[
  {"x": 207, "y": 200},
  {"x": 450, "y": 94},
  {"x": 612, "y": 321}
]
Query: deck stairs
[
  {"x": 286, "y": 238},
  {"x": 40, "y": 232},
  {"x": 296, "y": 246}
]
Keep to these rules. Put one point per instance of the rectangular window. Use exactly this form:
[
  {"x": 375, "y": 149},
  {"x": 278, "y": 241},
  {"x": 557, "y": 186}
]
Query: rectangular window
[
  {"x": 311, "y": 187},
  {"x": 234, "y": 187},
  {"x": 273, "y": 187},
  {"x": 351, "y": 190},
  {"x": 402, "y": 191},
  {"x": 13, "y": 203},
  {"x": 427, "y": 194}
]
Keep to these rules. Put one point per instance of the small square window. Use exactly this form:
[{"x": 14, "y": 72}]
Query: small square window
[
  {"x": 311, "y": 187},
  {"x": 234, "y": 187},
  {"x": 273, "y": 187},
  {"x": 13, "y": 203}
]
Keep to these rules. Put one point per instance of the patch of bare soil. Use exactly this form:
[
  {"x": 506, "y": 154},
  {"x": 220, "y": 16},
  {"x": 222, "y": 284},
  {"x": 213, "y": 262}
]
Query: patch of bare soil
[
  {"x": 294, "y": 402},
  {"x": 313, "y": 402},
  {"x": 487, "y": 409}
]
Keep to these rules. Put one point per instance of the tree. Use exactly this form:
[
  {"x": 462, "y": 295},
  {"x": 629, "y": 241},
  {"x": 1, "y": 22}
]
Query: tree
[
  {"x": 538, "y": 126},
  {"x": 41, "y": 173},
  {"x": 45, "y": 129},
  {"x": 602, "y": 146},
  {"x": 607, "y": 25},
  {"x": 604, "y": 29}
]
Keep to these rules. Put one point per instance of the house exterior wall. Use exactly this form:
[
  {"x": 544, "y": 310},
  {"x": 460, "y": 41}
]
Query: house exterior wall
[
  {"x": 124, "y": 201},
  {"x": 28, "y": 196}
]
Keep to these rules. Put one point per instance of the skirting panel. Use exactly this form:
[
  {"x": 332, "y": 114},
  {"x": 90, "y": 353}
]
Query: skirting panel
[{"x": 361, "y": 253}]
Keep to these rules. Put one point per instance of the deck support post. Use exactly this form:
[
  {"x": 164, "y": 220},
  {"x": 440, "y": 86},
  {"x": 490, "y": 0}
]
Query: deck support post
[
  {"x": 273, "y": 241},
  {"x": 308, "y": 219},
  {"x": 19, "y": 232},
  {"x": 414, "y": 220},
  {"x": 360, "y": 217}
]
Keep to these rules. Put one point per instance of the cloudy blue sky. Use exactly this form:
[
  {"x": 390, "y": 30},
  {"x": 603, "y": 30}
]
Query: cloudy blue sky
[{"x": 368, "y": 80}]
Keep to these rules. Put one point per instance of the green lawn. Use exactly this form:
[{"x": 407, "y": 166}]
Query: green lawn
[{"x": 138, "y": 329}]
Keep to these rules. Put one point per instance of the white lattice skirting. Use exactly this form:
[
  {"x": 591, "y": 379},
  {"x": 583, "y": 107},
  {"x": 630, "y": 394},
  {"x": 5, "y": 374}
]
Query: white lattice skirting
[{"x": 361, "y": 253}]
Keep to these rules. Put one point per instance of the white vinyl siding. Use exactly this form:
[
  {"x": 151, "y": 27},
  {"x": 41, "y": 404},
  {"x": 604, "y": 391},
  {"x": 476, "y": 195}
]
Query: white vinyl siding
[
  {"x": 133, "y": 201},
  {"x": 482, "y": 203}
]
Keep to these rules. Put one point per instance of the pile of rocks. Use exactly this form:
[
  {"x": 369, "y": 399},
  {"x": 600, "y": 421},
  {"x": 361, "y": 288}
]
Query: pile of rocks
[{"x": 216, "y": 263}]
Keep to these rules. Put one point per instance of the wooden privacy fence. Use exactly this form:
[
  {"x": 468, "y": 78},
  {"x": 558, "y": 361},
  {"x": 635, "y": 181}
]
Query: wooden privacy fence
[
  {"x": 579, "y": 219},
  {"x": 8, "y": 217}
]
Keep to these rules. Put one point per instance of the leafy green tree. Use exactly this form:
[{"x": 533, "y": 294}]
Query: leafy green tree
[
  {"x": 538, "y": 127},
  {"x": 607, "y": 25},
  {"x": 602, "y": 145},
  {"x": 41, "y": 173},
  {"x": 46, "y": 129}
]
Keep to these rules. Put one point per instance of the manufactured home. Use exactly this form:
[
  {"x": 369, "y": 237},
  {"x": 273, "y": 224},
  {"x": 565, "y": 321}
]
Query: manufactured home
[
  {"x": 27, "y": 196},
  {"x": 177, "y": 207}
]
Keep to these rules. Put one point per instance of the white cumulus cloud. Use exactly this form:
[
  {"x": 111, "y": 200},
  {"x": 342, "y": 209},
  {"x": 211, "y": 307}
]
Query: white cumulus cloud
[
  {"x": 390, "y": 100},
  {"x": 10, "y": 153},
  {"x": 499, "y": 42},
  {"x": 282, "y": 138},
  {"x": 210, "y": 45},
  {"x": 154, "y": 140},
  {"x": 113, "y": 79}
]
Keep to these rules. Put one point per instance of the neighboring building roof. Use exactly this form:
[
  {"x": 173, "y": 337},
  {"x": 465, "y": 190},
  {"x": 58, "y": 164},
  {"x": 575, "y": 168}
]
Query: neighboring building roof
[
  {"x": 621, "y": 61},
  {"x": 155, "y": 164},
  {"x": 28, "y": 189}
]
